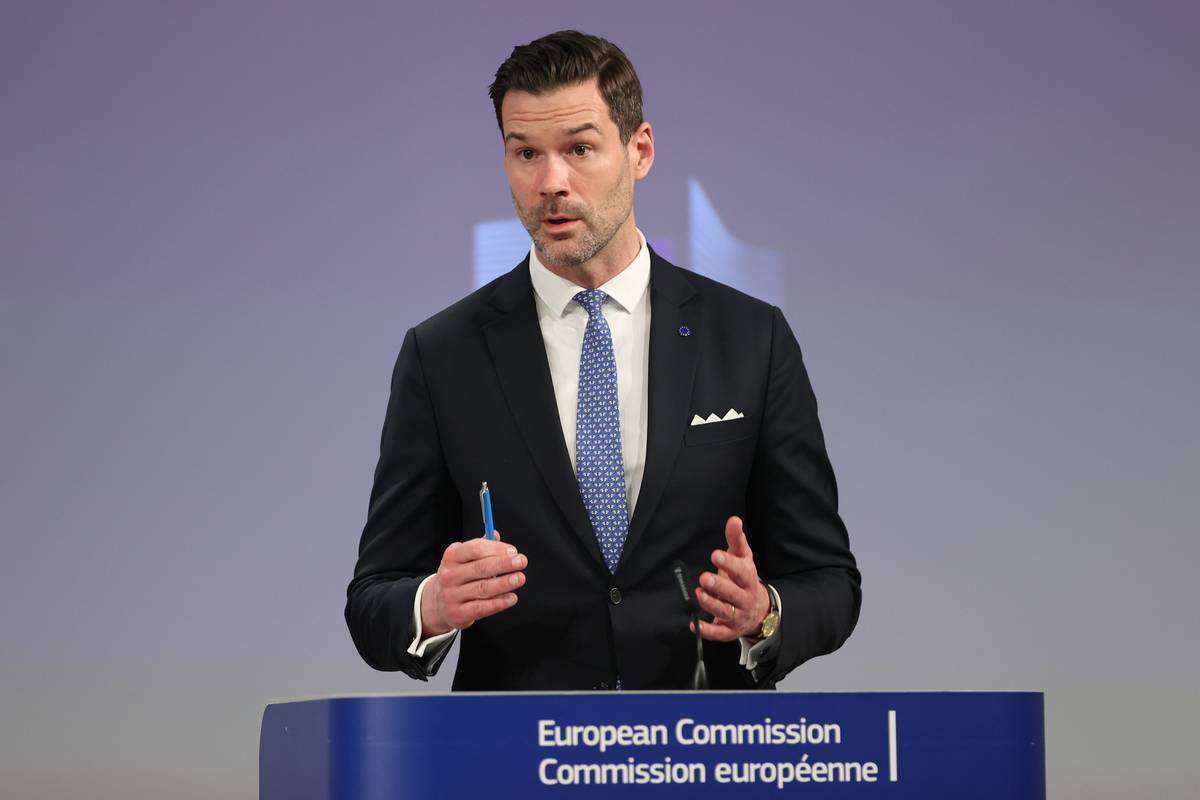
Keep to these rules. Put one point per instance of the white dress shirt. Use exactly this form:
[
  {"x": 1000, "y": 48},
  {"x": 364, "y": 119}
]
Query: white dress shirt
[
  {"x": 627, "y": 312},
  {"x": 563, "y": 322}
]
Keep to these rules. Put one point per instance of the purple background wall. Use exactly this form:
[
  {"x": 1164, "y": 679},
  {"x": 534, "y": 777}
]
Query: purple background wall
[{"x": 218, "y": 219}]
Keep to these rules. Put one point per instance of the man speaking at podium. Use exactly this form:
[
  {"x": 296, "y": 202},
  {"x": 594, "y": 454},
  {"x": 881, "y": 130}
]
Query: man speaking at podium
[{"x": 626, "y": 415}]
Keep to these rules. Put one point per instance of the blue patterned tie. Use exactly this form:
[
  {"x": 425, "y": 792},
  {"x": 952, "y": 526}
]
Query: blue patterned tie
[{"x": 598, "y": 463}]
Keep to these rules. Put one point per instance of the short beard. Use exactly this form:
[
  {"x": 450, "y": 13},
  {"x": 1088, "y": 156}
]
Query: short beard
[{"x": 594, "y": 238}]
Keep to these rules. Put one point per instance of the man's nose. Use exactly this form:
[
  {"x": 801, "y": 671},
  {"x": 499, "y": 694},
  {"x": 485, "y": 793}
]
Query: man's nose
[{"x": 555, "y": 177}]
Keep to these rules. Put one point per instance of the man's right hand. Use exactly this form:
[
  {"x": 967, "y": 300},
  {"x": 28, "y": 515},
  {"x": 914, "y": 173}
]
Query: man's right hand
[{"x": 476, "y": 579}]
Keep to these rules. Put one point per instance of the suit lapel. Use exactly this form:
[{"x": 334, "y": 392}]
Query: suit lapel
[
  {"x": 519, "y": 354},
  {"x": 670, "y": 372}
]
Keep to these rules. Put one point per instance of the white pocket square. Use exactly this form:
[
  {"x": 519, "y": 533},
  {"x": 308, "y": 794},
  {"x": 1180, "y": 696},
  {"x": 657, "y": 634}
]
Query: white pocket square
[{"x": 732, "y": 413}]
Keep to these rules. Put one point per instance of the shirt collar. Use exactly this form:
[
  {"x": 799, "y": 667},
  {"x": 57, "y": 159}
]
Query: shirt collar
[{"x": 627, "y": 288}]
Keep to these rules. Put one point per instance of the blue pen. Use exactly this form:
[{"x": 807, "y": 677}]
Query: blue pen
[{"x": 485, "y": 504}]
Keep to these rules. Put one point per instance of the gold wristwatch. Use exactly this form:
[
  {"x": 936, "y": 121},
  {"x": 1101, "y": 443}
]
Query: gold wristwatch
[{"x": 770, "y": 623}]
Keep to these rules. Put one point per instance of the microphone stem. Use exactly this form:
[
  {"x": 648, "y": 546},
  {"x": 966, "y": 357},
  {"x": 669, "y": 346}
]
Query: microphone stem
[{"x": 700, "y": 676}]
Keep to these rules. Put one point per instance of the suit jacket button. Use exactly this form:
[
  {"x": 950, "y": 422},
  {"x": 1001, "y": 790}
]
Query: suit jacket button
[{"x": 614, "y": 596}]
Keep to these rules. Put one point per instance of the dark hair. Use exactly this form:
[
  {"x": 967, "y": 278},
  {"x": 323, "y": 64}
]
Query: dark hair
[{"x": 568, "y": 58}]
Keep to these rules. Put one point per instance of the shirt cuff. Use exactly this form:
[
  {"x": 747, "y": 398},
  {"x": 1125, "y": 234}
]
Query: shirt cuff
[
  {"x": 434, "y": 645},
  {"x": 753, "y": 648}
]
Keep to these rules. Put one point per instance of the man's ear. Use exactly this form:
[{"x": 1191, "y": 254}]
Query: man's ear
[{"x": 641, "y": 150}]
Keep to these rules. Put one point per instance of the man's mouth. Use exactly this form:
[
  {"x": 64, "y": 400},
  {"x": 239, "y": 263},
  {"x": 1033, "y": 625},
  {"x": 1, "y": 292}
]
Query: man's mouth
[{"x": 559, "y": 222}]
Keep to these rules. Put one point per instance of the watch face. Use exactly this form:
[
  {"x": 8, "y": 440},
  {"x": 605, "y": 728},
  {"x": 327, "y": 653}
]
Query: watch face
[{"x": 770, "y": 625}]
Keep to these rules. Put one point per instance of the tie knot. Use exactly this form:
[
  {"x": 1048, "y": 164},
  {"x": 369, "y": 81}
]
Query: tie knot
[{"x": 591, "y": 299}]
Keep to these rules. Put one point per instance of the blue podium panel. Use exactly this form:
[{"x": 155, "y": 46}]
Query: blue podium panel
[{"x": 981, "y": 745}]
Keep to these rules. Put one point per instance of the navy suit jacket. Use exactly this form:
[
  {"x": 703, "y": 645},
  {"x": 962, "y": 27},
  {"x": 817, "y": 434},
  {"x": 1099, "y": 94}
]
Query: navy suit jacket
[{"x": 472, "y": 401}]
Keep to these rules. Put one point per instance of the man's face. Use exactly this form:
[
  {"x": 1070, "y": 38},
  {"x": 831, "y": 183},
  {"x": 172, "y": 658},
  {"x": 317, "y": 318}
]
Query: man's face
[{"x": 570, "y": 176}]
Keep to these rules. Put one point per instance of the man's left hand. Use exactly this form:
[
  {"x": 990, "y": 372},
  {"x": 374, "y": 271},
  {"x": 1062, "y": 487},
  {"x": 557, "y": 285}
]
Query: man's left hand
[{"x": 735, "y": 596}]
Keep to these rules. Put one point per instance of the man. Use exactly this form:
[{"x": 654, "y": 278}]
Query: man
[{"x": 580, "y": 386}]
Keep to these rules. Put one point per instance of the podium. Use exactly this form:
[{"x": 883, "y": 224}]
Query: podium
[{"x": 981, "y": 745}]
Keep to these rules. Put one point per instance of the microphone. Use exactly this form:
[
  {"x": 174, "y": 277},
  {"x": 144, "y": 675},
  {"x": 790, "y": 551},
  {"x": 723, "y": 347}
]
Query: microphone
[{"x": 699, "y": 675}]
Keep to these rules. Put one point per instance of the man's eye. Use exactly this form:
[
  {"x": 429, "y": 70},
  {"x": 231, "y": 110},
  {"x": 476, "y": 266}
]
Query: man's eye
[
  {"x": 581, "y": 149},
  {"x": 525, "y": 154}
]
